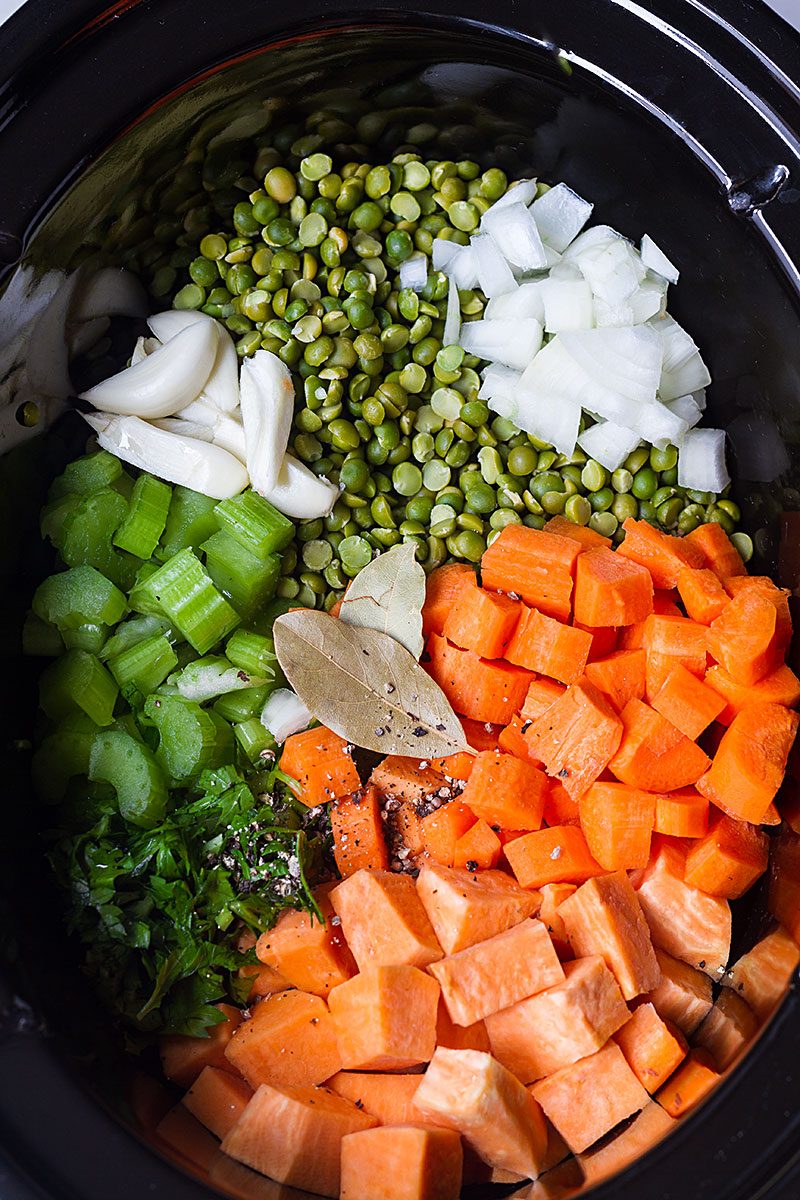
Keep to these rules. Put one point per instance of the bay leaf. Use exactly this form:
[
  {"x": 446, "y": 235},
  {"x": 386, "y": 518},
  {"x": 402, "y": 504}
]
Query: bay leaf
[
  {"x": 388, "y": 595},
  {"x": 366, "y": 687}
]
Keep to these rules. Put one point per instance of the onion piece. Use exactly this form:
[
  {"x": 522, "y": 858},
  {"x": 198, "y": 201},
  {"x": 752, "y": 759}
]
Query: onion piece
[
  {"x": 648, "y": 301},
  {"x": 514, "y": 232},
  {"x": 452, "y": 320},
  {"x": 612, "y": 316},
  {"x": 659, "y": 425},
  {"x": 567, "y": 305},
  {"x": 285, "y": 714},
  {"x": 683, "y": 369},
  {"x": 560, "y": 215},
  {"x": 701, "y": 461},
  {"x": 301, "y": 494},
  {"x": 612, "y": 269},
  {"x": 656, "y": 260},
  {"x": 687, "y": 408},
  {"x": 598, "y": 235},
  {"x": 414, "y": 272},
  {"x": 201, "y": 466},
  {"x": 209, "y": 677},
  {"x": 222, "y": 385},
  {"x": 512, "y": 343},
  {"x": 142, "y": 348},
  {"x": 499, "y": 389},
  {"x": 267, "y": 401},
  {"x": 522, "y": 192},
  {"x": 699, "y": 398},
  {"x": 556, "y": 373},
  {"x": 164, "y": 382},
  {"x": 463, "y": 268},
  {"x": 494, "y": 274},
  {"x": 443, "y": 254},
  {"x": 626, "y": 361},
  {"x": 552, "y": 417},
  {"x": 109, "y": 292},
  {"x": 525, "y": 301},
  {"x": 609, "y": 443}
]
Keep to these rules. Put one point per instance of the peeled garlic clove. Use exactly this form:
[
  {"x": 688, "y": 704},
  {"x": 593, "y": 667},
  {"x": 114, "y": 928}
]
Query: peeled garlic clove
[
  {"x": 222, "y": 385},
  {"x": 109, "y": 292},
  {"x": 142, "y": 348},
  {"x": 223, "y": 428},
  {"x": 267, "y": 399},
  {"x": 301, "y": 494},
  {"x": 190, "y": 429},
  {"x": 165, "y": 381},
  {"x": 201, "y": 466}
]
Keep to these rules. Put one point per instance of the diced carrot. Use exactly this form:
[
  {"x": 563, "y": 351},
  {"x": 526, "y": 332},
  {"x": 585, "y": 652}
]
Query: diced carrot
[
  {"x": 778, "y": 598},
  {"x": 295, "y": 1136},
  {"x": 567, "y": 1022},
  {"x": 604, "y": 917},
  {"x": 477, "y": 687},
  {"x": 496, "y": 1116},
  {"x": 682, "y": 814},
  {"x": 555, "y": 855},
  {"x": 743, "y": 638},
  {"x": 481, "y": 735},
  {"x": 358, "y": 840},
  {"x": 683, "y": 997},
  {"x": 478, "y": 849},
  {"x": 702, "y": 593},
  {"x": 727, "y": 1029},
  {"x": 498, "y": 972},
  {"x": 511, "y": 740},
  {"x": 385, "y": 1019},
  {"x": 611, "y": 590},
  {"x": 587, "y": 538},
  {"x": 400, "y": 778},
  {"x": 553, "y": 895},
  {"x": 664, "y": 556},
  {"x": 781, "y": 686},
  {"x": 289, "y": 1039},
  {"x": 687, "y": 703},
  {"x": 542, "y": 644},
  {"x": 729, "y": 859},
  {"x": 577, "y": 737},
  {"x": 669, "y": 641},
  {"x": 749, "y": 765},
  {"x": 311, "y": 954},
  {"x": 264, "y": 981},
  {"x": 322, "y": 764},
  {"x": 684, "y": 921},
  {"x": 653, "y": 754},
  {"x": 621, "y": 1151},
  {"x": 506, "y": 791},
  {"x": 718, "y": 551},
  {"x": 442, "y": 829},
  {"x": 389, "y": 1097},
  {"x": 417, "y": 1164},
  {"x": 184, "y": 1057},
  {"x": 604, "y": 640},
  {"x": 762, "y": 975},
  {"x": 384, "y": 922},
  {"x": 631, "y": 637},
  {"x": 217, "y": 1098},
  {"x": 652, "y": 1048},
  {"x": 184, "y": 1134},
  {"x": 482, "y": 621},
  {"x": 559, "y": 806},
  {"x": 466, "y": 908},
  {"x": 617, "y": 822},
  {"x": 535, "y": 565},
  {"x": 542, "y": 693},
  {"x": 620, "y": 676},
  {"x": 442, "y": 589},
  {"x": 404, "y": 830},
  {"x": 460, "y": 1037},
  {"x": 455, "y": 766},
  {"x": 588, "y": 1098},
  {"x": 690, "y": 1084},
  {"x": 784, "y": 884}
]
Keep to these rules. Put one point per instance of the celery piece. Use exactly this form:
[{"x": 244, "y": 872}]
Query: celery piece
[
  {"x": 145, "y": 664},
  {"x": 190, "y": 521},
  {"x": 137, "y": 629},
  {"x": 146, "y": 517},
  {"x": 256, "y": 741},
  {"x": 88, "y": 474},
  {"x": 225, "y": 743},
  {"x": 188, "y": 735},
  {"x": 86, "y": 537},
  {"x": 132, "y": 770},
  {"x": 75, "y": 681},
  {"x": 61, "y": 756},
  {"x": 78, "y": 597},
  {"x": 124, "y": 485},
  {"x": 255, "y": 524},
  {"x": 238, "y": 706},
  {"x": 140, "y": 598},
  {"x": 40, "y": 639},
  {"x": 253, "y": 652},
  {"x": 248, "y": 581},
  {"x": 212, "y": 676},
  {"x": 91, "y": 637},
  {"x": 54, "y": 514},
  {"x": 184, "y": 592}
]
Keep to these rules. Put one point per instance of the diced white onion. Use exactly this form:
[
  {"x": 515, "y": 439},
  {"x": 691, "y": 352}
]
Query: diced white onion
[
  {"x": 284, "y": 714},
  {"x": 516, "y": 236},
  {"x": 612, "y": 316},
  {"x": 612, "y": 269},
  {"x": 560, "y": 215},
  {"x": 414, "y": 272},
  {"x": 656, "y": 260},
  {"x": 267, "y": 402},
  {"x": 701, "y": 461},
  {"x": 649, "y": 300},
  {"x": 659, "y": 425},
  {"x": 687, "y": 408},
  {"x": 463, "y": 268},
  {"x": 609, "y": 443},
  {"x": 443, "y": 253},
  {"x": 522, "y": 192},
  {"x": 499, "y": 389},
  {"x": 626, "y": 361},
  {"x": 494, "y": 274},
  {"x": 512, "y": 343},
  {"x": 567, "y": 305},
  {"x": 699, "y": 398},
  {"x": 301, "y": 494},
  {"x": 525, "y": 301},
  {"x": 550, "y": 415},
  {"x": 598, "y": 235},
  {"x": 452, "y": 320},
  {"x": 683, "y": 369}
]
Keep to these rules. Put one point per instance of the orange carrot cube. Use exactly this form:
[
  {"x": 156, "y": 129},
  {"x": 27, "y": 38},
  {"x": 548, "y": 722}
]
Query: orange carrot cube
[
  {"x": 588, "y": 1098},
  {"x": 383, "y": 921},
  {"x": 290, "y": 1039},
  {"x": 702, "y": 593},
  {"x": 729, "y": 859},
  {"x": 322, "y": 764},
  {"x": 611, "y": 590},
  {"x": 750, "y": 763},
  {"x": 506, "y": 791},
  {"x": 490, "y": 691},
  {"x": 664, "y": 556},
  {"x": 682, "y": 814},
  {"x": 604, "y": 640},
  {"x": 577, "y": 737},
  {"x": 482, "y": 621},
  {"x": 555, "y": 855},
  {"x": 442, "y": 590},
  {"x": 559, "y": 806},
  {"x": 553, "y": 895},
  {"x": 744, "y": 637},
  {"x": 442, "y": 829},
  {"x": 422, "y": 1164},
  {"x": 604, "y": 917},
  {"x": 621, "y": 676},
  {"x": 687, "y": 703},
  {"x": 653, "y": 754},
  {"x": 541, "y": 694},
  {"x": 717, "y": 550},
  {"x": 617, "y": 822},
  {"x": 587, "y": 538},
  {"x": 781, "y": 686},
  {"x": 385, "y": 1019},
  {"x": 512, "y": 740},
  {"x": 467, "y": 908},
  {"x": 542, "y": 644},
  {"x": 668, "y": 642},
  {"x": 358, "y": 840},
  {"x": 478, "y": 849},
  {"x": 400, "y": 778},
  {"x": 652, "y": 1049},
  {"x": 535, "y": 565}
]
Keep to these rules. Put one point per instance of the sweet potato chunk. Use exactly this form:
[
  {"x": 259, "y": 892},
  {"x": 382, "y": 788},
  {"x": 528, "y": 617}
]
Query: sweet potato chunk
[
  {"x": 419, "y": 1164},
  {"x": 762, "y": 975},
  {"x": 684, "y": 921},
  {"x": 217, "y": 1098},
  {"x": 310, "y": 954},
  {"x": 588, "y": 1098},
  {"x": 183, "y": 1057},
  {"x": 652, "y": 1049},
  {"x": 385, "y": 1019},
  {"x": 383, "y": 921},
  {"x": 290, "y": 1040},
  {"x": 727, "y": 1029},
  {"x": 604, "y": 917},
  {"x": 683, "y": 995}
]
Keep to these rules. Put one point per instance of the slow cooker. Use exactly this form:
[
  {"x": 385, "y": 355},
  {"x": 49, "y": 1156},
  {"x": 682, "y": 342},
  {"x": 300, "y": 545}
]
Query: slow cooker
[{"x": 673, "y": 118}]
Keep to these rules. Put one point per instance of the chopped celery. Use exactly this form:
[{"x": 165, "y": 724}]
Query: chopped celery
[
  {"x": 249, "y": 581},
  {"x": 212, "y": 676},
  {"x": 78, "y": 597},
  {"x": 256, "y": 741},
  {"x": 146, "y": 517},
  {"x": 145, "y": 664},
  {"x": 53, "y": 516},
  {"x": 124, "y": 485},
  {"x": 255, "y": 524},
  {"x": 238, "y": 706},
  {"x": 61, "y": 756},
  {"x": 183, "y": 590},
  {"x": 140, "y": 598},
  {"x": 189, "y": 737},
  {"x": 91, "y": 637},
  {"x": 40, "y": 639},
  {"x": 225, "y": 744},
  {"x": 75, "y": 681},
  {"x": 137, "y": 629},
  {"x": 190, "y": 521},
  {"x": 86, "y": 537},
  {"x": 88, "y": 474},
  {"x": 253, "y": 652},
  {"x": 132, "y": 770}
]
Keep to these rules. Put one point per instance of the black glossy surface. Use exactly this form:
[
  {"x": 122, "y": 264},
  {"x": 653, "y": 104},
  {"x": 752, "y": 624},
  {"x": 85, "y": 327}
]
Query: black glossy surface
[{"x": 685, "y": 143}]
